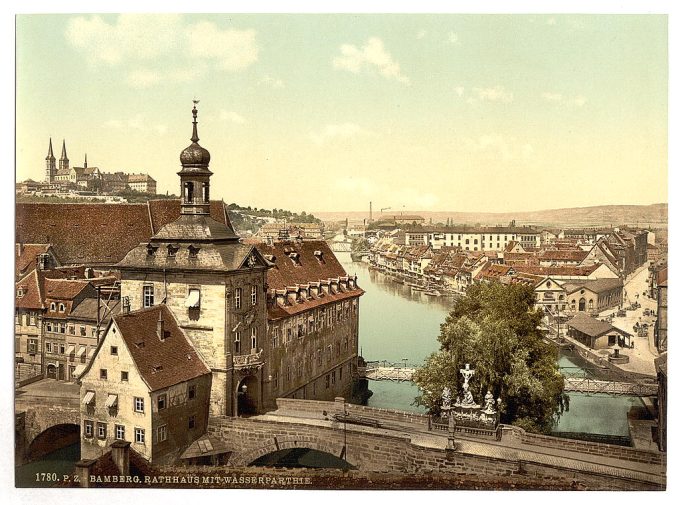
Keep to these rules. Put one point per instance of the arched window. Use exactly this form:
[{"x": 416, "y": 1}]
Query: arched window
[
  {"x": 590, "y": 303},
  {"x": 62, "y": 308},
  {"x": 53, "y": 306},
  {"x": 189, "y": 192}
]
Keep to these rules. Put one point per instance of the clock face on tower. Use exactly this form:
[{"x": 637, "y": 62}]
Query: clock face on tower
[{"x": 252, "y": 261}]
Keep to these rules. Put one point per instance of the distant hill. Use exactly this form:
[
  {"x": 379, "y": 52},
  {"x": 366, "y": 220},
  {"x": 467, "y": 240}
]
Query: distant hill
[{"x": 650, "y": 216}]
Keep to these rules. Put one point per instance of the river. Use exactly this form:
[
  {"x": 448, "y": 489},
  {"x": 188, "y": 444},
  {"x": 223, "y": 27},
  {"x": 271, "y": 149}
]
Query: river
[{"x": 395, "y": 323}]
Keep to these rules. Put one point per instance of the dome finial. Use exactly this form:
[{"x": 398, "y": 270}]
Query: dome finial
[{"x": 194, "y": 111}]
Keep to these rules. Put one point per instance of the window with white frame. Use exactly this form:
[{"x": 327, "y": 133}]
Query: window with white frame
[
  {"x": 147, "y": 296},
  {"x": 162, "y": 433},
  {"x": 237, "y": 342},
  {"x": 139, "y": 404},
  {"x": 139, "y": 435},
  {"x": 89, "y": 428},
  {"x": 253, "y": 337},
  {"x": 253, "y": 295},
  {"x": 238, "y": 293},
  {"x": 101, "y": 430},
  {"x": 120, "y": 432}
]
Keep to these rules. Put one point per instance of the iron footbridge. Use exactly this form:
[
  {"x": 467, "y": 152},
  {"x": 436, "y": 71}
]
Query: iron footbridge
[{"x": 384, "y": 371}]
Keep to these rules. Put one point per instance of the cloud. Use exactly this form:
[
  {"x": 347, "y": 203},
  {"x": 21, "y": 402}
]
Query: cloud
[
  {"x": 150, "y": 41},
  {"x": 421, "y": 34},
  {"x": 232, "y": 49},
  {"x": 137, "y": 123},
  {"x": 274, "y": 82},
  {"x": 231, "y": 116},
  {"x": 559, "y": 98},
  {"x": 500, "y": 147},
  {"x": 371, "y": 56},
  {"x": 493, "y": 94},
  {"x": 453, "y": 38},
  {"x": 130, "y": 37},
  {"x": 331, "y": 132}
]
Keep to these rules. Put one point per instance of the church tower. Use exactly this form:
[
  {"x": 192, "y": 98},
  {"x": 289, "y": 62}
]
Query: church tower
[
  {"x": 195, "y": 175},
  {"x": 50, "y": 165},
  {"x": 63, "y": 161}
]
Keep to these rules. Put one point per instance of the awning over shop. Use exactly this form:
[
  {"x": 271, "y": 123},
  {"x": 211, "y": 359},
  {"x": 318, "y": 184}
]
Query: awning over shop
[
  {"x": 194, "y": 299},
  {"x": 71, "y": 349},
  {"x": 81, "y": 351},
  {"x": 88, "y": 398},
  {"x": 91, "y": 352},
  {"x": 79, "y": 370},
  {"x": 112, "y": 401}
]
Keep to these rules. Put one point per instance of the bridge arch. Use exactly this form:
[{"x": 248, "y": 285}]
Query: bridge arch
[
  {"x": 247, "y": 458},
  {"x": 52, "y": 438}
]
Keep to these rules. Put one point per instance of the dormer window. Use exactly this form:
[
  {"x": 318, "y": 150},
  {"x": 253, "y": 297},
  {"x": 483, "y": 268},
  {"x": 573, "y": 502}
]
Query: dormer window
[
  {"x": 20, "y": 292},
  {"x": 62, "y": 308},
  {"x": 193, "y": 251},
  {"x": 53, "y": 307},
  {"x": 151, "y": 249},
  {"x": 172, "y": 250},
  {"x": 295, "y": 258}
]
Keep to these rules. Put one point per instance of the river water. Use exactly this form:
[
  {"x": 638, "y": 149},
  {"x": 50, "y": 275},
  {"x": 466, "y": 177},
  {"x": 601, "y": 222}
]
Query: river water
[{"x": 395, "y": 323}]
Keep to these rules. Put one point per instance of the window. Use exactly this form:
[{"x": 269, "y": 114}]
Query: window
[
  {"x": 89, "y": 428},
  {"x": 162, "y": 401},
  {"x": 139, "y": 404},
  {"x": 162, "y": 433},
  {"x": 275, "y": 337},
  {"x": 32, "y": 345},
  {"x": 62, "y": 348},
  {"x": 124, "y": 376},
  {"x": 340, "y": 378},
  {"x": 192, "y": 422},
  {"x": 253, "y": 338},
  {"x": 328, "y": 381},
  {"x": 83, "y": 331},
  {"x": 139, "y": 435},
  {"x": 253, "y": 295},
  {"x": 48, "y": 326},
  {"x": 48, "y": 346},
  {"x": 53, "y": 307},
  {"x": 192, "y": 391},
  {"x": 62, "y": 328},
  {"x": 120, "y": 432},
  {"x": 103, "y": 374},
  {"x": 147, "y": 292},
  {"x": 72, "y": 329},
  {"x": 101, "y": 430},
  {"x": 333, "y": 377},
  {"x": 237, "y": 297},
  {"x": 114, "y": 350},
  {"x": 61, "y": 307},
  {"x": 32, "y": 318},
  {"x": 275, "y": 380},
  {"x": 237, "y": 342}
]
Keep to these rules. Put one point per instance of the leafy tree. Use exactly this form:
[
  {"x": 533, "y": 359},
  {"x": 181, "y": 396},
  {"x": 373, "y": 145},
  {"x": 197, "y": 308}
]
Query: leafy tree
[{"x": 494, "y": 328}]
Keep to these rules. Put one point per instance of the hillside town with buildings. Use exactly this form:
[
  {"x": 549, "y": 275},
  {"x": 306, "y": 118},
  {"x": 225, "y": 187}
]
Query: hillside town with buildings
[{"x": 66, "y": 181}]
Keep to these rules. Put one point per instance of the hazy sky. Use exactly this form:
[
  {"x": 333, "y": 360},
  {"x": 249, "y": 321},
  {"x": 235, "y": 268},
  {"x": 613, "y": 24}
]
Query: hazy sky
[{"x": 328, "y": 112}]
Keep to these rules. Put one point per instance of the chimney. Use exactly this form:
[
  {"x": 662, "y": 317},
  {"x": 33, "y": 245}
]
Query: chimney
[
  {"x": 160, "y": 327},
  {"x": 83, "y": 471},
  {"x": 120, "y": 452}
]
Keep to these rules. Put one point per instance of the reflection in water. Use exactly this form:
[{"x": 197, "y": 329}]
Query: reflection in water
[{"x": 396, "y": 323}]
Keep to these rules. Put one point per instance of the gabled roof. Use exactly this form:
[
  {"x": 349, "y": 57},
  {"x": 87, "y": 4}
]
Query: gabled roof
[
  {"x": 595, "y": 285},
  {"x": 563, "y": 255},
  {"x": 306, "y": 267},
  {"x": 87, "y": 309},
  {"x": 88, "y": 233},
  {"x": 64, "y": 289},
  {"x": 160, "y": 363},
  {"x": 26, "y": 257},
  {"x": 590, "y": 326},
  {"x": 31, "y": 287},
  {"x": 567, "y": 270}
]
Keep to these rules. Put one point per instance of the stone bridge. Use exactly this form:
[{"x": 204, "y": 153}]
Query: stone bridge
[
  {"x": 380, "y": 440},
  {"x": 43, "y": 424},
  {"x": 405, "y": 442}
]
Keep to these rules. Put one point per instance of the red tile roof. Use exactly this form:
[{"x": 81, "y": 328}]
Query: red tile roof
[
  {"x": 279, "y": 312},
  {"x": 32, "y": 297},
  {"x": 97, "y": 233},
  {"x": 160, "y": 363},
  {"x": 567, "y": 270},
  {"x": 26, "y": 257},
  {"x": 308, "y": 268},
  {"x": 563, "y": 255},
  {"x": 590, "y": 326}
]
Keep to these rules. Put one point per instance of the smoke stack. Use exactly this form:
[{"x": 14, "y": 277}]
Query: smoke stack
[
  {"x": 160, "y": 327},
  {"x": 83, "y": 471}
]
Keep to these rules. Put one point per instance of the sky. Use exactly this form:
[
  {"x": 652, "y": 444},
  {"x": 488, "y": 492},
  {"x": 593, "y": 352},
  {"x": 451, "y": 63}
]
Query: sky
[{"x": 486, "y": 113}]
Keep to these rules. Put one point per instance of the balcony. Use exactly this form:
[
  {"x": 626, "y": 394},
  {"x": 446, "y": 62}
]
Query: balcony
[{"x": 248, "y": 360}]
